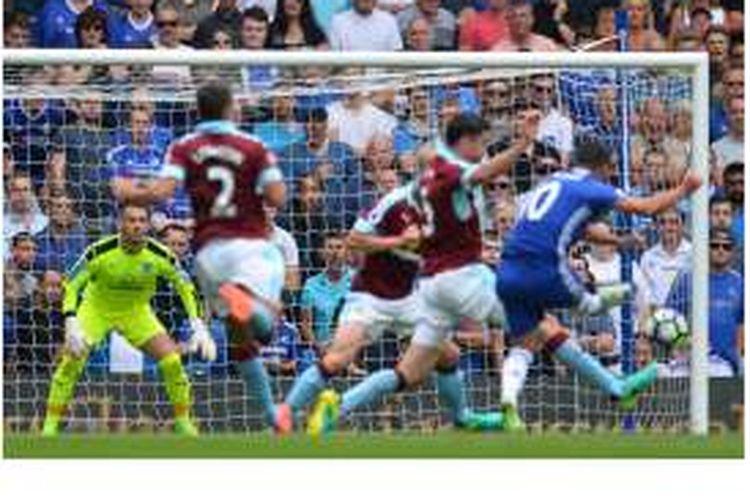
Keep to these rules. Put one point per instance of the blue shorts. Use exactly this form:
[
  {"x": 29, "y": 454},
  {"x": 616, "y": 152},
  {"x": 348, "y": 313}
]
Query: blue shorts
[{"x": 528, "y": 289}]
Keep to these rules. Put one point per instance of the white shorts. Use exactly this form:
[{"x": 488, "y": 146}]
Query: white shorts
[
  {"x": 255, "y": 264},
  {"x": 378, "y": 315},
  {"x": 451, "y": 296}
]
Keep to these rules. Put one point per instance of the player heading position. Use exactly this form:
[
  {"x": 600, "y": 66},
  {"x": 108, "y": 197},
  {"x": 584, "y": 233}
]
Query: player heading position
[
  {"x": 230, "y": 177},
  {"x": 117, "y": 276},
  {"x": 534, "y": 275},
  {"x": 455, "y": 284}
]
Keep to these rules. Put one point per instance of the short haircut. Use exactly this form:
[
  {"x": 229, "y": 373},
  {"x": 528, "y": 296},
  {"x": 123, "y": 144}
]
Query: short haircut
[
  {"x": 591, "y": 153},
  {"x": 172, "y": 226},
  {"x": 317, "y": 115},
  {"x": 718, "y": 233},
  {"x": 718, "y": 199},
  {"x": 465, "y": 125},
  {"x": 734, "y": 168},
  {"x": 717, "y": 29},
  {"x": 15, "y": 18},
  {"x": 255, "y": 13},
  {"x": 214, "y": 99},
  {"x": 125, "y": 206},
  {"x": 21, "y": 237}
]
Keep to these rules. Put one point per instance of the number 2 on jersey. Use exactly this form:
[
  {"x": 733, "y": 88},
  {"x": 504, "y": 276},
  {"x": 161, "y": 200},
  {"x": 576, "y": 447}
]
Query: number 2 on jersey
[{"x": 223, "y": 206}]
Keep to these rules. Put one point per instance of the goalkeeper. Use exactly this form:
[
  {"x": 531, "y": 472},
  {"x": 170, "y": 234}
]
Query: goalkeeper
[{"x": 116, "y": 277}]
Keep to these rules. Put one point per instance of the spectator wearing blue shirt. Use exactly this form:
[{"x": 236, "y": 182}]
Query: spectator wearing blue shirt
[
  {"x": 726, "y": 306},
  {"x": 64, "y": 240},
  {"x": 734, "y": 187},
  {"x": 721, "y": 216},
  {"x": 16, "y": 33},
  {"x": 254, "y": 35},
  {"x": 281, "y": 130},
  {"x": 416, "y": 130},
  {"x": 333, "y": 163},
  {"x": 57, "y": 22},
  {"x": 286, "y": 355},
  {"x": 323, "y": 293},
  {"x": 135, "y": 28},
  {"x": 605, "y": 123}
]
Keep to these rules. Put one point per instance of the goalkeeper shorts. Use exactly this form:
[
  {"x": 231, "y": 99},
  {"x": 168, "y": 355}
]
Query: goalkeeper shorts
[{"x": 138, "y": 326}]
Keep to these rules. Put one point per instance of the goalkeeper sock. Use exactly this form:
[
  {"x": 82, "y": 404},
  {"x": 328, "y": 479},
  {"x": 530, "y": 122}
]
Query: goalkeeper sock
[
  {"x": 176, "y": 384},
  {"x": 258, "y": 386},
  {"x": 61, "y": 389},
  {"x": 306, "y": 387},
  {"x": 378, "y": 384},
  {"x": 589, "y": 367},
  {"x": 515, "y": 368},
  {"x": 450, "y": 387}
]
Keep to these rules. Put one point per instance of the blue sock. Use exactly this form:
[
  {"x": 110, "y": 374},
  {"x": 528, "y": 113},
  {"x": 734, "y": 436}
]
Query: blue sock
[
  {"x": 258, "y": 386},
  {"x": 571, "y": 354},
  {"x": 306, "y": 387},
  {"x": 450, "y": 387},
  {"x": 378, "y": 384}
]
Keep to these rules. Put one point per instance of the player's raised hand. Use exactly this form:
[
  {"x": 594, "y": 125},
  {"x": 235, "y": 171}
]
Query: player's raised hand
[
  {"x": 201, "y": 341},
  {"x": 75, "y": 341},
  {"x": 530, "y": 126},
  {"x": 690, "y": 183}
]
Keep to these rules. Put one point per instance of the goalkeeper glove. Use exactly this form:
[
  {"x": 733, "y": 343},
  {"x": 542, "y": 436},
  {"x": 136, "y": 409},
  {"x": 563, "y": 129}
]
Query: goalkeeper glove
[
  {"x": 75, "y": 342},
  {"x": 201, "y": 341}
]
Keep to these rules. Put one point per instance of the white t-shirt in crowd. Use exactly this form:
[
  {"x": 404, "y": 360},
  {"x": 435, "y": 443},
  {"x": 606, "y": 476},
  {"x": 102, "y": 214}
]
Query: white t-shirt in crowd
[
  {"x": 556, "y": 130},
  {"x": 287, "y": 246},
  {"x": 728, "y": 150},
  {"x": 658, "y": 270},
  {"x": 376, "y": 32},
  {"x": 356, "y": 127}
]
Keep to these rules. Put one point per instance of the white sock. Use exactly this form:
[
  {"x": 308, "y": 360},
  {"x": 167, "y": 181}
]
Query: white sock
[{"x": 515, "y": 368}]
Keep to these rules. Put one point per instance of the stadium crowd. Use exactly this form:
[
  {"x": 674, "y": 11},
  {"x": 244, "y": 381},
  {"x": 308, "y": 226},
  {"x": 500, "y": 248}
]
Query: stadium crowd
[{"x": 341, "y": 149}]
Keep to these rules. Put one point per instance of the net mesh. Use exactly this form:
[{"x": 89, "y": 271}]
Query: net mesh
[{"x": 71, "y": 129}]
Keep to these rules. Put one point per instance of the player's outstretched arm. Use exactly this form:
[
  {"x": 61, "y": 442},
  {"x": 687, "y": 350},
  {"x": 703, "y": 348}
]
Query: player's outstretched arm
[
  {"x": 502, "y": 163},
  {"x": 143, "y": 192},
  {"x": 370, "y": 243},
  {"x": 659, "y": 202}
]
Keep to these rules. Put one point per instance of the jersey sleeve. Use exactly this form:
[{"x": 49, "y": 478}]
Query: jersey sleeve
[
  {"x": 175, "y": 164},
  {"x": 601, "y": 197},
  {"x": 368, "y": 222},
  {"x": 76, "y": 279},
  {"x": 171, "y": 270}
]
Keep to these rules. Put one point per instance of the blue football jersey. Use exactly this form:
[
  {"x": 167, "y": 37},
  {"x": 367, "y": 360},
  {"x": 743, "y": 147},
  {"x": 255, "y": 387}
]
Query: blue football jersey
[
  {"x": 555, "y": 214},
  {"x": 125, "y": 34}
]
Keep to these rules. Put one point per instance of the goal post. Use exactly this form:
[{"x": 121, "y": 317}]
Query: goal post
[{"x": 694, "y": 64}]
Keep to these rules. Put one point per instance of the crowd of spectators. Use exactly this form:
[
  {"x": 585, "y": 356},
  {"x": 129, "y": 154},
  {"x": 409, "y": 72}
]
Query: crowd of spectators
[{"x": 340, "y": 147}]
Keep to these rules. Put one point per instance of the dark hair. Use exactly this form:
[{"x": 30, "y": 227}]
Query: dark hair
[
  {"x": 21, "y": 237},
  {"x": 519, "y": 3},
  {"x": 736, "y": 167},
  {"x": 463, "y": 125},
  {"x": 311, "y": 32},
  {"x": 718, "y": 233},
  {"x": 317, "y": 114},
  {"x": 129, "y": 204},
  {"x": 592, "y": 154},
  {"x": 717, "y": 29},
  {"x": 89, "y": 17},
  {"x": 718, "y": 198},
  {"x": 15, "y": 19},
  {"x": 542, "y": 150},
  {"x": 214, "y": 99},
  {"x": 256, "y": 14},
  {"x": 172, "y": 226},
  {"x": 700, "y": 10}
]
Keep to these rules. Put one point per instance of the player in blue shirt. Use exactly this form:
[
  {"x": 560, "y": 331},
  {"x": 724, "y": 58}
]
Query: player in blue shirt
[
  {"x": 726, "y": 305},
  {"x": 134, "y": 29},
  {"x": 56, "y": 23},
  {"x": 534, "y": 275}
]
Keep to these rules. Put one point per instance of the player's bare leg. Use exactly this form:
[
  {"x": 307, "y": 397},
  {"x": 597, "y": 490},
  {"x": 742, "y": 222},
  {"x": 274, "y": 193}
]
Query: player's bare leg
[
  {"x": 348, "y": 342},
  {"x": 165, "y": 351}
]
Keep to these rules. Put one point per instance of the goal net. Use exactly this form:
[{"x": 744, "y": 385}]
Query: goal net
[{"x": 343, "y": 135}]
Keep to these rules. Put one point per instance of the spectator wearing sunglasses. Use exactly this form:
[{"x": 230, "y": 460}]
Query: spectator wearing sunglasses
[
  {"x": 726, "y": 305},
  {"x": 167, "y": 37}
]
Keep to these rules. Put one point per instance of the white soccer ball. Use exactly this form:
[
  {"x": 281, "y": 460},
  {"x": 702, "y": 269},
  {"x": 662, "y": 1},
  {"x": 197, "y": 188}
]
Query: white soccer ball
[{"x": 668, "y": 327}]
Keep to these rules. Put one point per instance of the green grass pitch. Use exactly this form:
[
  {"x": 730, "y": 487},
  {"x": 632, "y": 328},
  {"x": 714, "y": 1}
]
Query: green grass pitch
[{"x": 442, "y": 444}]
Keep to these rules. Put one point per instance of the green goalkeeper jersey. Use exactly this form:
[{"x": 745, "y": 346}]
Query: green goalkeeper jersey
[{"x": 115, "y": 281}]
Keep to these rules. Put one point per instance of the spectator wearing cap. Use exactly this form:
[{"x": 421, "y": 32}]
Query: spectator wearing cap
[
  {"x": 726, "y": 305},
  {"x": 16, "y": 34},
  {"x": 365, "y": 27},
  {"x": 226, "y": 18},
  {"x": 22, "y": 213},
  {"x": 660, "y": 264},
  {"x": 481, "y": 31},
  {"x": 641, "y": 33},
  {"x": 135, "y": 28},
  {"x": 57, "y": 22},
  {"x": 64, "y": 240},
  {"x": 294, "y": 27},
  {"x": 442, "y": 23},
  {"x": 282, "y": 128},
  {"x": 521, "y": 38},
  {"x": 731, "y": 147}
]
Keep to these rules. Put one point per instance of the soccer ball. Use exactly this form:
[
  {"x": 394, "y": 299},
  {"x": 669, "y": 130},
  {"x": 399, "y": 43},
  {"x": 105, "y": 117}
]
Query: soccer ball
[{"x": 668, "y": 327}]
